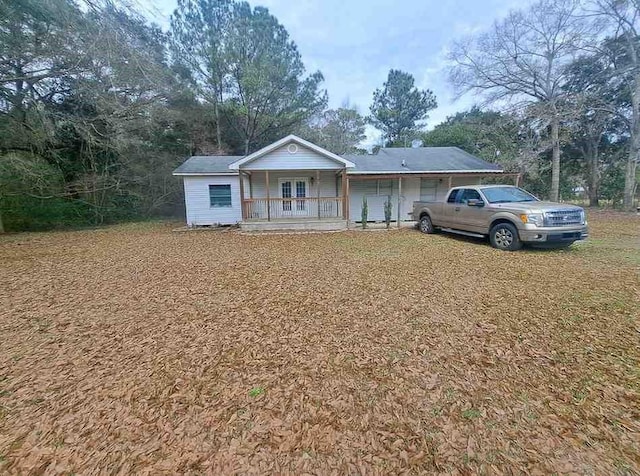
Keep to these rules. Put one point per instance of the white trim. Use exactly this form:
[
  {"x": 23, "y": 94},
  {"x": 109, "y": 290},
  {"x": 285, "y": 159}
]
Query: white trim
[
  {"x": 290, "y": 138},
  {"x": 208, "y": 174},
  {"x": 434, "y": 172}
]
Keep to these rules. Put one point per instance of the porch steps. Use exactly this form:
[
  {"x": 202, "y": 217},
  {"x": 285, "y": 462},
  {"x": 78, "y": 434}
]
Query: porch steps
[{"x": 291, "y": 224}]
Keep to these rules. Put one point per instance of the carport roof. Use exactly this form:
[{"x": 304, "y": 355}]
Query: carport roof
[{"x": 420, "y": 160}]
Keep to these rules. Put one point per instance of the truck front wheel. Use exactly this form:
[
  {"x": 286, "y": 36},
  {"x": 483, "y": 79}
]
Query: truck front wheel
[
  {"x": 426, "y": 226},
  {"x": 504, "y": 236}
]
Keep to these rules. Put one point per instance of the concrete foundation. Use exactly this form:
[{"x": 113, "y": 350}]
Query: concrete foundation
[{"x": 293, "y": 224}]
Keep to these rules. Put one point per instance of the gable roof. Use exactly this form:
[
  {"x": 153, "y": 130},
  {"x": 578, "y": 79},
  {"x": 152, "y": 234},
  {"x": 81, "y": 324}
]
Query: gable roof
[
  {"x": 288, "y": 140},
  {"x": 420, "y": 160},
  {"x": 387, "y": 160},
  {"x": 207, "y": 165}
]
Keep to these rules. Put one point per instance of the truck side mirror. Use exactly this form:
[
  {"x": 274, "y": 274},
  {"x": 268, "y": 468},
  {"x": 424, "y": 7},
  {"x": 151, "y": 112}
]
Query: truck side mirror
[{"x": 474, "y": 202}]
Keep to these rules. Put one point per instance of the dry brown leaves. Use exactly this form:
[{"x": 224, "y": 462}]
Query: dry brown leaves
[{"x": 135, "y": 349}]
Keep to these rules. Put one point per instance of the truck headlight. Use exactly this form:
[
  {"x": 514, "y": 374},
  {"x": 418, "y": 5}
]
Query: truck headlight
[
  {"x": 583, "y": 217},
  {"x": 536, "y": 219}
]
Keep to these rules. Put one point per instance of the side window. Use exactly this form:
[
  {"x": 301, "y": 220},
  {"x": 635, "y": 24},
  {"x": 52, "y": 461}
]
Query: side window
[
  {"x": 452, "y": 196},
  {"x": 369, "y": 187},
  {"x": 385, "y": 187},
  {"x": 220, "y": 195},
  {"x": 468, "y": 194}
]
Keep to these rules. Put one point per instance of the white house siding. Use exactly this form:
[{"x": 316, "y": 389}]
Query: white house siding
[
  {"x": 302, "y": 159},
  {"x": 198, "y": 207},
  {"x": 413, "y": 189}
]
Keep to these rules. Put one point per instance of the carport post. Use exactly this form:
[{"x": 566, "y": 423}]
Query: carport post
[
  {"x": 399, "y": 198},
  {"x": 344, "y": 195}
]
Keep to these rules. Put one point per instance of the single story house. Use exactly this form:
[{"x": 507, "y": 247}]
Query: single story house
[{"x": 294, "y": 184}]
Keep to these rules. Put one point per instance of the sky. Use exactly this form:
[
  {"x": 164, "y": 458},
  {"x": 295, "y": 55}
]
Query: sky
[{"x": 354, "y": 43}]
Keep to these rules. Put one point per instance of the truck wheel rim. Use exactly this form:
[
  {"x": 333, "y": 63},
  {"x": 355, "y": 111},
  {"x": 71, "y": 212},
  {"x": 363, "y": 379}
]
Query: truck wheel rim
[
  {"x": 503, "y": 238},
  {"x": 425, "y": 225}
]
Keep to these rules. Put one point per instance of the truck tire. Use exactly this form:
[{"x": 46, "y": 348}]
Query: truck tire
[
  {"x": 504, "y": 236},
  {"x": 425, "y": 225}
]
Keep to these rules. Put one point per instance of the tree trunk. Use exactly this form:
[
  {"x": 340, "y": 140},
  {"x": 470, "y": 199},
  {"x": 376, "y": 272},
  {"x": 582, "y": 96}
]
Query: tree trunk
[
  {"x": 247, "y": 124},
  {"x": 630, "y": 171},
  {"x": 216, "y": 110},
  {"x": 634, "y": 149},
  {"x": 555, "y": 161},
  {"x": 594, "y": 174}
]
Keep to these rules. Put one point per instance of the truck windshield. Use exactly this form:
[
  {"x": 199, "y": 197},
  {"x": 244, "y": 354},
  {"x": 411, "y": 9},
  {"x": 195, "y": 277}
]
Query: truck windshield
[{"x": 507, "y": 195}]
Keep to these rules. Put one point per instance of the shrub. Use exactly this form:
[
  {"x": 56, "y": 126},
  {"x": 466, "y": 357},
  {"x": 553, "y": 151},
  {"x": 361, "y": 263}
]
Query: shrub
[
  {"x": 365, "y": 212},
  {"x": 388, "y": 208}
]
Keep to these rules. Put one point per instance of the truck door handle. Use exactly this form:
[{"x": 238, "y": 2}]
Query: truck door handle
[{"x": 457, "y": 209}]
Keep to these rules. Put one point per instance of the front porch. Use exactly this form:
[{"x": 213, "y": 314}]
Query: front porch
[{"x": 294, "y": 199}]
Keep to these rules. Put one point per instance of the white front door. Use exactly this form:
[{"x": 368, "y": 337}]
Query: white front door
[{"x": 297, "y": 190}]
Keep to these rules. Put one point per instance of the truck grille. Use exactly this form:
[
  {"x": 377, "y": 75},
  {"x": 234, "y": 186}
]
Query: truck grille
[{"x": 563, "y": 218}]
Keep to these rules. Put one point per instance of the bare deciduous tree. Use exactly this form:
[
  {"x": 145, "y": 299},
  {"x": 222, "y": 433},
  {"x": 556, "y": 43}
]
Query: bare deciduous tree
[
  {"x": 522, "y": 59},
  {"x": 623, "y": 19}
]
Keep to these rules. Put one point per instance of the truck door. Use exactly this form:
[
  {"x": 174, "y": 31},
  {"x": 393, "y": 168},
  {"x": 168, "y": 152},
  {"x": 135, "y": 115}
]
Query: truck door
[
  {"x": 469, "y": 218},
  {"x": 449, "y": 209}
]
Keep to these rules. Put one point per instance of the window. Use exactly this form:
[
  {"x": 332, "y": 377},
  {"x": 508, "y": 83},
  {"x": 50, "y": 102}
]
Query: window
[
  {"x": 380, "y": 188},
  {"x": 452, "y": 196},
  {"x": 285, "y": 188},
  {"x": 301, "y": 192},
  {"x": 428, "y": 189},
  {"x": 369, "y": 187},
  {"x": 468, "y": 194},
  {"x": 385, "y": 187},
  {"x": 507, "y": 194},
  {"x": 220, "y": 195}
]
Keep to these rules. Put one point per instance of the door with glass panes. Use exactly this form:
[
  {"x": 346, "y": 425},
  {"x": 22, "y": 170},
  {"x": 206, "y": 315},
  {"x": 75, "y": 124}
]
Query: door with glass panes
[{"x": 294, "y": 193}]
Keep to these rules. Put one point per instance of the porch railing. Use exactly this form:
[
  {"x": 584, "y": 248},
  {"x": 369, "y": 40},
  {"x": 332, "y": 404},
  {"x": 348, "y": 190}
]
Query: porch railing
[{"x": 279, "y": 208}]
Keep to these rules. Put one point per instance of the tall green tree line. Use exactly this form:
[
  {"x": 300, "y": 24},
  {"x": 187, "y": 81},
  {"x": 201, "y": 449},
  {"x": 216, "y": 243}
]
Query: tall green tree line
[{"x": 97, "y": 106}]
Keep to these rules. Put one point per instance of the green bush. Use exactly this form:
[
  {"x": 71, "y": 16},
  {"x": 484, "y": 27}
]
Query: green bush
[
  {"x": 365, "y": 212},
  {"x": 25, "y": 213},
  {"x": 388, "y": 210}
]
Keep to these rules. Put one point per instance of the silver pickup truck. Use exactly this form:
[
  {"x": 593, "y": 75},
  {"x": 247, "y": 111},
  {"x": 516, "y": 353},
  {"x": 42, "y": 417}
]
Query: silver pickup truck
[{"x": 509, "y": 215}]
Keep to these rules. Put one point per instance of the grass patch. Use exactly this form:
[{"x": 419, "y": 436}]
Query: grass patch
[{"x": 256, "y": 392}]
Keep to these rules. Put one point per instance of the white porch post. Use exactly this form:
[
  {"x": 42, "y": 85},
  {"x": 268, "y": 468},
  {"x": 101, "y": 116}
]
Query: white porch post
[
  {"x": 266, "y": 179},
  {"x": 242, "y": 204},
  {"x": 318, "y": 191}
]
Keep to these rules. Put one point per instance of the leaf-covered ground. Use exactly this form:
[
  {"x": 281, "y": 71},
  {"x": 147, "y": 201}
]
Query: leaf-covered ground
[{"x": 138, "y": 349}]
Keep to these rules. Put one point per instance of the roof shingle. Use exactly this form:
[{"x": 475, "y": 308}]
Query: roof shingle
[
  {"x": 203, "y": 164},
  {"x": 387, "y": 160},
  {"x": 420, "y": 159}
]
